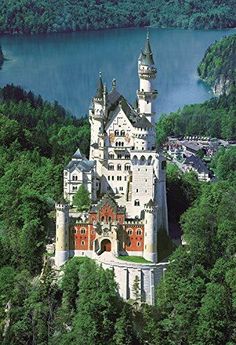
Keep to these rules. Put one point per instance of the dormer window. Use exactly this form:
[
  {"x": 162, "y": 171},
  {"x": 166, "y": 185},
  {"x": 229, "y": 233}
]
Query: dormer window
[{"x": 74, "y": 178}]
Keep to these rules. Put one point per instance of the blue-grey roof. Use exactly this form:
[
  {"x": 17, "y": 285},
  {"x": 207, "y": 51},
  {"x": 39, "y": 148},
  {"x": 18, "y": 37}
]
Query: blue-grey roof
[
  {"x": 146, "y": 56},
  {"x": 197, "y": 164},
  {"x": 82, "y": 165},
  {"x": 143, "y": 122},
  {"x": 78, "y": 154}
]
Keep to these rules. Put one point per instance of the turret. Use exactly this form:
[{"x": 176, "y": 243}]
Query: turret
[
  {"x": 62, "y": 233},
  {"x": 147, "y": 73},
  {"x": 150, "y": 229}
]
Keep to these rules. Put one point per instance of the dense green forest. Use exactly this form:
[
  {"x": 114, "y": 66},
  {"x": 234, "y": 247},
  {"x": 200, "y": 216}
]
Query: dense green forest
[
  {"x": 36, "y": 139},
  {"x": 218, "y": 67},
  {"x": 195, "y": 302},
  {"x": 41, "y": 16}
]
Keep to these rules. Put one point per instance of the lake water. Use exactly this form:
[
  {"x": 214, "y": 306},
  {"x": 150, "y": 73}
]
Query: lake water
[{"x": 65, "y": 67}]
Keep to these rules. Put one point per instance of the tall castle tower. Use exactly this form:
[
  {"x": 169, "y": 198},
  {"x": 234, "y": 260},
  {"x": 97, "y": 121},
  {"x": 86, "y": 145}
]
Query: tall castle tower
[
  {"x": 96, "y": 115},
  {"x": 147, "y": 74},
  {"x": 62, "y": 233}
]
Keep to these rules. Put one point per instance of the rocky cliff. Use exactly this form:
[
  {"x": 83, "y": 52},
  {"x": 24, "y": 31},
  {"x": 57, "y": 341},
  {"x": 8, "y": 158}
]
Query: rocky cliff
[{"x": 218, "y": 66}]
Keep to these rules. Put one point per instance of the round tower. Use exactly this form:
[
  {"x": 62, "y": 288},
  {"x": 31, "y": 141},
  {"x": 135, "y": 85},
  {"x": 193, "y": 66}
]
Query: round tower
[
  {"x": 62, "y": 233},
  {"x": 150, "y": 230},
  {"x": 147, "y": 73}
]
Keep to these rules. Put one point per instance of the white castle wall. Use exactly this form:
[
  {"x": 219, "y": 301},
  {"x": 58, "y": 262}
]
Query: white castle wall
[{"x": 149, "y": 276}]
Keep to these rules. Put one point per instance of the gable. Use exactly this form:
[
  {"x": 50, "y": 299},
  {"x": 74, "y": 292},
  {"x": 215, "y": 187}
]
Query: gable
[{"x": 119, "y": 121}]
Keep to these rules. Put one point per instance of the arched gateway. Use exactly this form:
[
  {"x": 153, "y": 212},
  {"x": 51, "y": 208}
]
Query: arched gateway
[{"x": 106, "y": 245}]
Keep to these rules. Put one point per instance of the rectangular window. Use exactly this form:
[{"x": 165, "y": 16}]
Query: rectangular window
[
  {"x": 121, "y": 188},
  {"x": 112, "y": 178},
  {"x": 108, "y": 177}
]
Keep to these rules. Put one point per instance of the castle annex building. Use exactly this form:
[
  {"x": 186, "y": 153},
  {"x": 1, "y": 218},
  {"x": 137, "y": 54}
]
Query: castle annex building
[{"x": 125, "y": 176}]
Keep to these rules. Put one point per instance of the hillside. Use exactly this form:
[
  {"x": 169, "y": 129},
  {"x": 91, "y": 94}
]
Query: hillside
[
  {"x": 195, "y": 303},
  {"x": 218, "y": 67},
  {"x": 41, "y": 16},
  {"x": 213, "y": 118}
]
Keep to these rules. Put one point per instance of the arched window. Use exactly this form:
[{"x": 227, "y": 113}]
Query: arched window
[
  {"x": 142, "y": 160},
  {"x": 102, "y": 219},
  {"x": 116, "y": 133},
  {"x": 122, "y": 144},
  {"x": 110, "y": 167},
  {"x": 129, "y": 244},
  {"x": 136, "y": 202},
  {"x": 149, "y": 162},
  {"x": 111, "y": 156},
  {"x": 129, "y": 232},
  {"x": 127, "y": 156},
  {"x": 119, "y": 167},
  {"x": 127, "y": 167},
  {"x": 74, "y": 178},
  {"x": 109, "y": 219},
  {"x": 122, "y": 133},
  {"x": 138, "y": 244},
  {"x": 83, "y": 231},
  {"x": 82, "y": 243},
  {"x": 139, "y": 232},
  {"x": 135, "y": 160}
]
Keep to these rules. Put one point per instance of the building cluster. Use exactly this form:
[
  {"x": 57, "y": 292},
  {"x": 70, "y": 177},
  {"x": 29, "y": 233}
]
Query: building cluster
[
  {"x": 193, "y": 154},
  {"x": 125, "y": 177}
]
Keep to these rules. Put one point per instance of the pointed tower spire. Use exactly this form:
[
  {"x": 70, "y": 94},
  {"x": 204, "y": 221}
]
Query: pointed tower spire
[
  {"x": 147, "y": 74},
  {"x": 99, "y": 93},
  {"x": 147, "y": 52}
]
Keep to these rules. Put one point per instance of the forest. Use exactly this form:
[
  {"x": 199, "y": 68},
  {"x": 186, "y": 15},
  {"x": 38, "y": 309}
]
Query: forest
[
  {"x": 41, "y": 16},
  {"x": 195, "y": 303},
  {"x": 218, "y": 66}
]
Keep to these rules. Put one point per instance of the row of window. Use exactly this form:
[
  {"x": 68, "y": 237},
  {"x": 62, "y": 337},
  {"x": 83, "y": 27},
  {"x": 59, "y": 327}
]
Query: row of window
[
  {"x": 118, "y": 178},
  {"x": 111, "y": 167},
  {"x": 119, "y": 156},
  {"x": 120, "y": 133},
  {"x": 142, "y": 160},
  {"x": 129, "y": 231},
  {"x": 119, "y": 143},
  {"x": 138, "y": 244},
  {"x": 128, "y": 245},
  {"x": 138, "y": 231}
]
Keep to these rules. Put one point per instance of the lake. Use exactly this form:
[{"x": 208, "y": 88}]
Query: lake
[{"x": 65, "y": 67}]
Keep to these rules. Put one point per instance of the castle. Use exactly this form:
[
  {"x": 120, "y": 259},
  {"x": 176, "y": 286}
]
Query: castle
[{"x": 125, "y": 176}]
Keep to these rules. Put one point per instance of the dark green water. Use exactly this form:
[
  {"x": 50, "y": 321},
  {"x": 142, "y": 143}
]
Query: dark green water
[{"x": 64, "y": 67}]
